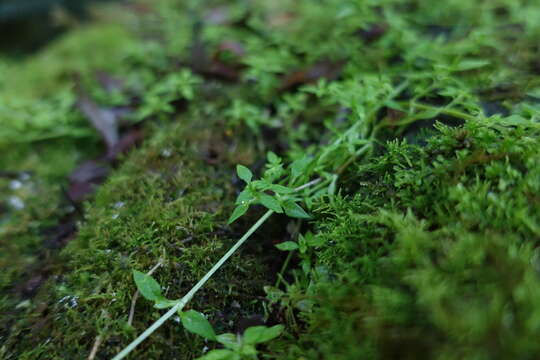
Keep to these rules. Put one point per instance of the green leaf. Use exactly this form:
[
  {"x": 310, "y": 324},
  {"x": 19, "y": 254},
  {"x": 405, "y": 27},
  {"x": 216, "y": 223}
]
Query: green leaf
[
  {"x": 220, "y": 354},
  {"x": 280, "y": 189},
  {"x": 270, "y": 202},
  {"x": 245, "y": 197},
  {"x": 228, "y": 340},
  {"x": 273, "y": 158},
  {"x": 248, "y": 351},
  {"x": 164, "y": 303},
  {"x": 287, "y": 246},
  {"x": 147, "y": 286},
  {"x": 294, "y": 210},
  {"x": 244, "y": 173},
  {"x": 196, "y": 323},
  {"x": 260, "y": 334},
  {"x": 471, "y": 64},
  {"x": 273, "y": 294},
  {"x": 239, "y": 211},
  {"x": 332, "y": 186},
  {"x": 427, "y": 114},
  {"x": 313, "y": 241},
  {"x": 261, "y": 185},
  {"x": 515, "y": 120},
  {"x": 298, "y": 167}
]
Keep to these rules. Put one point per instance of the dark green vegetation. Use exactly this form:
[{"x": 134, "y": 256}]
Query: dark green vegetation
[
  {"x": 420, "y": 122},
  {"x": 32, "y": 23},
  {"x": 432, "y": 255}
]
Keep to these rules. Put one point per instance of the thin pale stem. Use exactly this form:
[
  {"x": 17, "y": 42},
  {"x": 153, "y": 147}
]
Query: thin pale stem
[
  {"x": 95, "y": 347},
  {"x": 182, "y": 302},
  {"x": 443, "y": 110},
  {"x": 306, "y": 185}
]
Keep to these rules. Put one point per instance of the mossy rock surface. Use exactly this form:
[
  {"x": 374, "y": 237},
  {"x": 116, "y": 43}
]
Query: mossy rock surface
[
  {"x": 432, "y": 254},
  {"x": 167, "y": 203},
  {"x": 419, "y": 128}
]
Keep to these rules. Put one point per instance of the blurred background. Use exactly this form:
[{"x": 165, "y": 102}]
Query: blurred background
[{"x": 27, "y": 25}]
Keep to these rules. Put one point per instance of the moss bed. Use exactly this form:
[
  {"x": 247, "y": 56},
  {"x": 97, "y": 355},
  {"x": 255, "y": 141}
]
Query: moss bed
[{"x": 417, "y": 126}]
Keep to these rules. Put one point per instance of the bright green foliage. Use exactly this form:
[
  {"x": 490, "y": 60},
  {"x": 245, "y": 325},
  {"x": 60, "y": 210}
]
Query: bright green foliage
[
  {"x": 147, "y": 286},
  {"x": 37, "y": 93},
  {"x": 432, "y": 255},
  {"x": 165, "y": 199},
  {"x": 237, "y": 347},
  {"x": 261, "y": 334},
  {"x": 282, "y": 198},
  {"x": 196, "y": 323},
  {"x": 411, "y": 241},
  {"x": 151, "y": 290},
  {"x": 244, "y": 173}
]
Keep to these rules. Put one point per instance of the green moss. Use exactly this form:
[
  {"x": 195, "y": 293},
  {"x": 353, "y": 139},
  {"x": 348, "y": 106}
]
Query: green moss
[
  {"x": 433, "y": 253},
  {"x": 37, "y": 92},
  {"x": 164, "y": 203},
  {"x": 428, "y": 251}
]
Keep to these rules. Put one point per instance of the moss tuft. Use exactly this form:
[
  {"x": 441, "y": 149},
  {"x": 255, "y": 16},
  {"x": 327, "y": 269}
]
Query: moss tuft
[
  {"x": 166, "y": 202},
  {"x": 433, "y": 255}
]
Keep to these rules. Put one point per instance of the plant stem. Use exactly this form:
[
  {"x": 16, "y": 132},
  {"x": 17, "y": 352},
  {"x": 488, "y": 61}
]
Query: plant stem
[
  {"x": 311, "y": 183},
  {"x": 361, "y": 151},
  {"x": 182, "y": 302},
  {"x": 283, "y": 268},
  {"x": 445, "y": 110}
]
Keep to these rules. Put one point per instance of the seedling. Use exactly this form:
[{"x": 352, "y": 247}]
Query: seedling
[
  {"x": 236, "y": 347},
  {"x": 275, "y": 197}
]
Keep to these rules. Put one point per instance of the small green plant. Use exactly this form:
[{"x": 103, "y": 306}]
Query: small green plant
[
  {"x": 361, "y": 277},
  {"x": 236, "y": 346},
  {"x": 275, "y": 197},
  {"x": 284, "y": 199},
  {"x": 157, "y": 100},
  {"x": 151, "y": 290},
  {"x": 251, "y": 115}
]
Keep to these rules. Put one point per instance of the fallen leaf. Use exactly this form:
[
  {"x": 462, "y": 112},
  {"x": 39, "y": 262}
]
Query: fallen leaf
[
  {"x": 234, "y": 47},
  {"x": 84, "y": 179},
  {"x": 89, "y": 171},
  {"x": 201, "y": 62},
  {"x": 102, "y": 119},
  {"x": 131, "y": 138},
  {"x": 109, "y": 82},
  {"x": 372, "y": 33},
  {"x": 323, "y": 69}
]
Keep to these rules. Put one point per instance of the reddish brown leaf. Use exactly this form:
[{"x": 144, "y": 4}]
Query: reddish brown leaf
[
  {"x": 84, "y": 179},
  {"x": 324, "y": 69},
  {"x": 373, "y": 32},
  {"x": 212, "y": 66},
  {"x": 127, "y": 141},
  {"x": 89, "y": 171},
  {"x": 102, "y": 119}
]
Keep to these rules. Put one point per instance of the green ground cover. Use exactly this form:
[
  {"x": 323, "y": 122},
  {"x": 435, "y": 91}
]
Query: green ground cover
[{"x": 396, "y": 143}]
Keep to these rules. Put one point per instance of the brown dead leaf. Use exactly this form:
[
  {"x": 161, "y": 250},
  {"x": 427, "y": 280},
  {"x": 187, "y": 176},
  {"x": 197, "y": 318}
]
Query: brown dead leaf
[
  {"x": 102, "y": 119},
  {"x": 85, "y": 178},
  {"x": 323, "y": 69},
  {"x": 109, "y": 82},
  {"x": 372, "y": 32}
]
